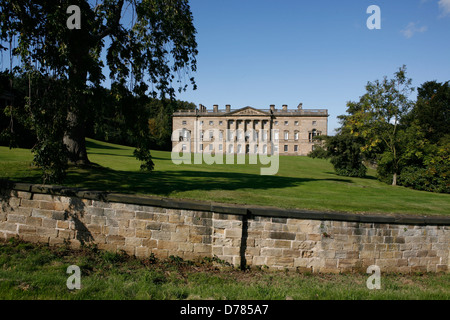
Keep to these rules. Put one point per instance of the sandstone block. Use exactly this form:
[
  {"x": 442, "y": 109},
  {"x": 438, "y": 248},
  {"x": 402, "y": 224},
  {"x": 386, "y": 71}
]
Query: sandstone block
[
  {"x": 24, "y": 195},
  {"x": 143, "y": 233},
  {"x": 24, "y": 229},
  {"x": 41, "y": 213},
  {"x": 49, "y": 223},
  {"x": 45, "y": 197},
  {"x": 29, "y": 203},
  {"x": 34, "y": 221},
  {"x": 16, "y": 218},
  {"x": 115, "y": 239},
  {"x": 160, "y": 235}
]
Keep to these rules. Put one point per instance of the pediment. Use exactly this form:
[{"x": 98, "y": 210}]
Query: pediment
[{"x": 249, "y": 111}]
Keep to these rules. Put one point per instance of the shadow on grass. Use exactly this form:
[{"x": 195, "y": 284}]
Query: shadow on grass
[
  {"x": 164, "y": 183},
  {"x": 367, "y": 176}
]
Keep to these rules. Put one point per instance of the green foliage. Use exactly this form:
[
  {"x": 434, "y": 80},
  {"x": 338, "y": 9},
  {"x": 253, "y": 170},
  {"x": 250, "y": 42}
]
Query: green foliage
[
  {"x": 15, "y": 130},
  {"x": 378, "y": 118},
  {"x": 434, "y": 175},
  {"x": 145, "y": 55},
  {"x": 345, "y": 154},
  {"x": 319, "y": 152},
  {"x": 432, "y": 110},
  {"x": 47, "y": 112},
  {"x": 426, "y": 140}
]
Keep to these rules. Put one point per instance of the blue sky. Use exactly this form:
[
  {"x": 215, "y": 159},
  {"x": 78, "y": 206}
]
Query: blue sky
[{"x": 261, "y": 52}]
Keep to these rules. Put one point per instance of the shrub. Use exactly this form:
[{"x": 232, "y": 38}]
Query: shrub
[{"x": 318, "y": 152}]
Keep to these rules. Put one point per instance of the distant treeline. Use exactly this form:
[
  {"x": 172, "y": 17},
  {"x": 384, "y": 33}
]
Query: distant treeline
[{"x": 111, "y": 115}]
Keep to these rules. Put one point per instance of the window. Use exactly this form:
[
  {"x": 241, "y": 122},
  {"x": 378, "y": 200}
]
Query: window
[
  {"x": 211, "y": 134},
  {"x": 265, "y": 149},
  {"x": 276, "y": 137},
  {"x": 220, "y": 123},
  {"x": 239, "y": 148},
  {"x": 211, "y": 147},
  {"x": 296, "y": 135},
  {"x": 202, "y": 134},
  {"x": 201, "y": 147},
  {"x": 230, "y": 135},
  {"x": 184, "y": 122},
  {"x": 247, "y": 136},
  {"x": 211, "y": 123},
  {"x": 313, "y": 134},
  {"x": 220, "y": 135},
  {"x": 275, "y": 148},
  {"x": 230, "y": 148},
  {"x": 285, "y": 148},
  {"x": 286, "y": 135},
  {"x": 276, "y": 123},
  {"x": 185, "y": 135},
  {"x": 201, "y": 122},
  {"x": 296, "y": 123},
  {"x": 286, "y": 123},
  {"x": 239, "y": 134},
  {"x": 314, "y": 123},
  {"x": 220, "y": 147},
  {"x": 295, "y": 148},
  {"x": 184, "y": 147}
]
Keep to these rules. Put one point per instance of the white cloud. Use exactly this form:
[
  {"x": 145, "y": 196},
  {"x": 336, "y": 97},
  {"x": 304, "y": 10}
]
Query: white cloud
[
  {"x": 412, "y": 29},
  {"x": 444, "y": 5}
]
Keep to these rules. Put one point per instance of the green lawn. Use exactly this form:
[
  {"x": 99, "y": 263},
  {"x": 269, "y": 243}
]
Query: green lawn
[
  {"x": 301, "y": 182},
  {"x": 31, "y": 271}
]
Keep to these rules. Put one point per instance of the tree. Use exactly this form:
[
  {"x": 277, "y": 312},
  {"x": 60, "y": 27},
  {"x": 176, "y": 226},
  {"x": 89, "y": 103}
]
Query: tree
[
  {"x": 145, "y": 50},
  {"x": 345, "y": 154},
  {"x": 432, "y": 109},
  {"x": 378, "y": 119},
  {"x": 426, "y": 140}
]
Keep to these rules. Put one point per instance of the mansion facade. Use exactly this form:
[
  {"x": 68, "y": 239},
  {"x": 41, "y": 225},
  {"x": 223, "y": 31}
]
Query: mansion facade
[{"x": 248, "y": 130}]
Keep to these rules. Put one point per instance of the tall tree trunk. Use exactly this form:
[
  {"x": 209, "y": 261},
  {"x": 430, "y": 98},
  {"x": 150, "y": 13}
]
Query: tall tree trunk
[
  {"x": 74, "y": 139},
  {"x": 394, "y": 179}
]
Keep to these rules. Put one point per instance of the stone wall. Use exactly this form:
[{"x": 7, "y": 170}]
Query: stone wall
[{"x": 242, "y": 235}]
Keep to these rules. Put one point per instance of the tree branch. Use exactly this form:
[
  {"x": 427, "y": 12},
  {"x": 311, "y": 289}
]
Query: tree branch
[{"x": 117, "y": 15}]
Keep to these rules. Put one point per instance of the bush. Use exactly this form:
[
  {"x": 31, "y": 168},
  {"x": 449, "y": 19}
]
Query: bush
[
  {"x": 434, "y": 178},
  {"x": 318, "y": 152},
  {"x": 352, "y": 172},
  {"x": 345, "y": 154}
]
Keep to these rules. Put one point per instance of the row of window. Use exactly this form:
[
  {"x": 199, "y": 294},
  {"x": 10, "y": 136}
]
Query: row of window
[
  {"x": 185, "y": 135},
  {"x": 240, "y": 148},
  {"x": 286, "y": 123}
]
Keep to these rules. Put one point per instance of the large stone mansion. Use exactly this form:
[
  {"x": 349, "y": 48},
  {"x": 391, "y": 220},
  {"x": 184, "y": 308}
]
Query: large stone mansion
[{"x": 244, "y": 130}]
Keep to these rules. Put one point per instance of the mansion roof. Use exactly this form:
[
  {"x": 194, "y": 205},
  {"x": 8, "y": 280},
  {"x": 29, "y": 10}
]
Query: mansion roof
[{"x": 250, "y": 111}]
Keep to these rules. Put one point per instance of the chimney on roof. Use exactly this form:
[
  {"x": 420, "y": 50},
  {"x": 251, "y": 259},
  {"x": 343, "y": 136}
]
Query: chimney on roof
[
  {"x": 300, "y": 106},
  {"x": 272, "y": 107},
  {"x": 285, "y": 107},
  {"x": 228, "y": 106},
  {"x": 216, "y": 108}
]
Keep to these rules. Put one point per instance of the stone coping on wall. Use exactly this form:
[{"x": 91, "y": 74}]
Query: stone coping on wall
[{"x": 225, "y": 208}]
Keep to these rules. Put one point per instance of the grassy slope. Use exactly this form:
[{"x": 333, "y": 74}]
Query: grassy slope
[
  {"x": 300, "y": 183},
  {"x": 30, "y": 271}
]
